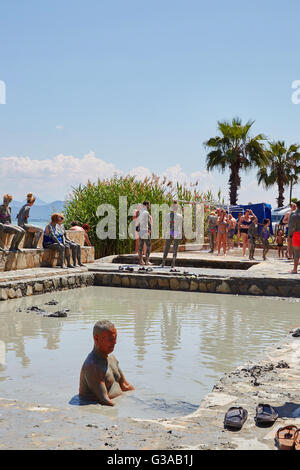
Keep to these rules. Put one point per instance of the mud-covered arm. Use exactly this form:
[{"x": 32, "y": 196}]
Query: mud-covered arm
[
  {"x": 292, "y": 227},
  {"x": 96, "y": 383},
  {"x": 64, "y": 234},
  {"x": 125, "y": 386}
]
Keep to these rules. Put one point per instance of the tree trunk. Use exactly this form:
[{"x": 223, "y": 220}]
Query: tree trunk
[
  {"x": 291, "y": 190},
  {"x": 280, "y": 198},
  {"x": 234, "y": 182}
]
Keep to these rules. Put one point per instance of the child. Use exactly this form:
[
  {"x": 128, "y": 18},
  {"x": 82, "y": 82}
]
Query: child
[
  {"x": 265, "y": 234},
  {"x": 280, "y": 239}
]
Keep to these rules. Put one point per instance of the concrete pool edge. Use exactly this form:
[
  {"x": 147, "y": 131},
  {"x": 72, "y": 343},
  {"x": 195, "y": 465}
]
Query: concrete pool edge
[
  {"x": 272, "y": 378},
  {"x": 235, "y": 284}
]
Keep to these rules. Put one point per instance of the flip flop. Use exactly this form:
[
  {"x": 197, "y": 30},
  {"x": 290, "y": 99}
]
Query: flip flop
[
  {"x": 297, "y": 439},
  {"x": 121, "y": 268},
  {"x": 149, "y": 269},
  {"x": 265, "y": 414},
  {"x": 285, "y": 437},
  {"x": 129, "y": 268},
  {"x": 235, "y": 417},
  {"x": 142, "y": 268},
  {"x": 174, "y": 270}
]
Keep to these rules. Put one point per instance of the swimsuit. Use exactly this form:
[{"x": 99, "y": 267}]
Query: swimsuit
[
  {"x": 296, "y": 239},
  {"x": 245, "y": 229}
]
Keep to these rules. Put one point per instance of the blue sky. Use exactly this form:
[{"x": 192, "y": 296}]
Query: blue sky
[{"x": 101, "y": 86}]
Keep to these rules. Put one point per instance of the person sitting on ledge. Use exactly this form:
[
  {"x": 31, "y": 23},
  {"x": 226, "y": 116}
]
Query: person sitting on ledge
[
  {"x": 75, "y": 226},
  {"x": 23, "y": 216},
  {"x": 7, "y": 227},
  {"x": 75, "y": 247},
  {"x": 86, "y": 229},
  {"x": 53, "y": 239},
  {"x": 101, "y": 378}
]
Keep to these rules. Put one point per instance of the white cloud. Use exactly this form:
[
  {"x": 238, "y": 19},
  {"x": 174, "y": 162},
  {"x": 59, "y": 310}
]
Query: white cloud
[
  {"x": 59, "y": 127},
  {"x": 52, "y": 179}
]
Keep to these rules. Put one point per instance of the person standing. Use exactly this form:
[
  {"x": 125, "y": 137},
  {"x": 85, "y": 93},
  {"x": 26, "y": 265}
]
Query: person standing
[
  {"x": 222, "y": 232},
  {"x": 294, "y": 233},
  {"x": 7, "y": 227},
  {"x": 252, "y": 236},
  {"x": 173, "y": 233},
  {"x": 265, "y": 234},
  {"x": 238, "y": 230},
  {"x": 287, "y": 221},
  {"x": 231, "y": 230},
  {"x": 212, "y": 230},
  {"x": 22, "y": 218},
  {"x": 144, "y": 229},
  {"x": 244, "y": 226},
  {"x": 280, "y": 239}
]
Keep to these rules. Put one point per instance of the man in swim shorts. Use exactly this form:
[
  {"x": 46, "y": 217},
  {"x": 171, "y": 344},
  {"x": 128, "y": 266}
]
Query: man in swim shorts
[
  {"x": 294, "y": 233},
  {"x": 101, "y": 378}
]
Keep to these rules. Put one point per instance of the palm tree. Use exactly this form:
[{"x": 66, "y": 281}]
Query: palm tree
[
  {"x": 237, "y": 150},
  {"x": 282, "y": 170},
  {"x": 294, "y": 167}
]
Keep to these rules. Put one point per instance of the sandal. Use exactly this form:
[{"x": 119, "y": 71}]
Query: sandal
[
  {"x": 121, "y": 268},
  {"x": 235, "y": 417},
  {"x": 142, "y": 268},
  {"x": 297, "y": 439},
  {"x": 265, "y": 414},
  {"x": 149, "y": 269},
  {"x": 285, "y": 437},
  {"x": 129, "y": 268}
]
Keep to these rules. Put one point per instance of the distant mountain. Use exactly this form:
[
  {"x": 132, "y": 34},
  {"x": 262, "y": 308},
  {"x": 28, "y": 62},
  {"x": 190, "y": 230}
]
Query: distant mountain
[
  {"x": 38, "y": 202},
  {"x": 39, "y": 211}
]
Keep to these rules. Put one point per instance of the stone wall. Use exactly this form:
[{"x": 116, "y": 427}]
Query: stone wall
[
  {"x": 35, "y": 258},
  {"x": 28, "y": 287},
  {"x": 233, "y": 285}
]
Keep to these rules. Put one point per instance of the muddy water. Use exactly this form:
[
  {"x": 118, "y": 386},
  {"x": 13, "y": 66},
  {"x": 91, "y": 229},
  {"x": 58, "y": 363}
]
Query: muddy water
[{"x": 172, "y": 346}]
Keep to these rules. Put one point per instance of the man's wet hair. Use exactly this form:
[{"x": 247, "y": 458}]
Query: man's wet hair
[
  {"x": 102, "y": 325},
  {"x": 75, "y": 223}
]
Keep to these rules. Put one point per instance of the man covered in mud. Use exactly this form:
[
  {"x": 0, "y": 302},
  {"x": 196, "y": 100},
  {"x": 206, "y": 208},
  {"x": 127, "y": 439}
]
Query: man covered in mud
[{"x": 101, "y": 378}]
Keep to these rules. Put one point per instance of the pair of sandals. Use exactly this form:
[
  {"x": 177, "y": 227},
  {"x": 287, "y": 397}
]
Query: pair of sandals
[
  {"x": 143, "y": 268},
  {"x": 288, "y": 438},
  {"x": 236, "y": 416},
  {"x": 126, "y": 268}
]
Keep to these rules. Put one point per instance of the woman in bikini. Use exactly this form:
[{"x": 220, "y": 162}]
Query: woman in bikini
[
  {"x": 238, "y": 231},
  {"x": 244, "y": 226},
  {"x": 222, "y": 232}
]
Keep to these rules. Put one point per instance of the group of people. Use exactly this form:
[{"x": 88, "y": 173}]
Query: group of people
[
  {"x": 222, "y": 227},
  {"x": 172, "y": 232},
  {"x": 55, "y": 236},
  {"x": 18, "y": 231}
]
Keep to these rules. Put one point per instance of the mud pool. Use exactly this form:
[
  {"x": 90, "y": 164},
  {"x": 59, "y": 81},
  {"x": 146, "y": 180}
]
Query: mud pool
[{"x": 172, "y": 346}]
